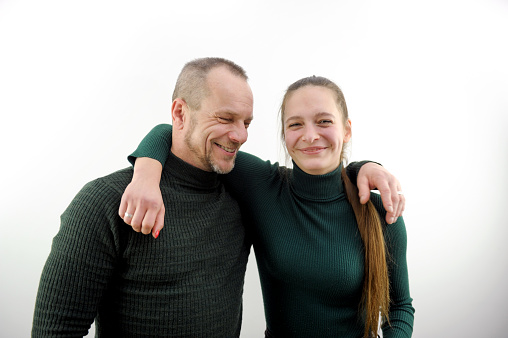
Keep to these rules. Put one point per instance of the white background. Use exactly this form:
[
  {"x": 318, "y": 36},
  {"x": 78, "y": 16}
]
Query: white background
[{"x": 81, "y": 82}]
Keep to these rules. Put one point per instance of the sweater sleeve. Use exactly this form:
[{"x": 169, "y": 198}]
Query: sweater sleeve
[
  {"x": 157, "y": 145},
  {"x": 401, "y": 313},
  {"x": 79, "y": 266},
  {"x": 353, "y": 169},
  {"x": 247, "y": 172}
]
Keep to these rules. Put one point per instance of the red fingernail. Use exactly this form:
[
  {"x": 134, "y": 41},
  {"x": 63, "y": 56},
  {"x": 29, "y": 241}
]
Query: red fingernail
[{"x": 156, "y": 234}]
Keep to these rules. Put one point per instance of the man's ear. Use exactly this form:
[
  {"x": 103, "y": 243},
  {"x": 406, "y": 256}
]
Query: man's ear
[{"x": 179, "y": 111}]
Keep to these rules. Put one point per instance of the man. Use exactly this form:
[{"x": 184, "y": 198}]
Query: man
[{"x": 189, "y": 282}]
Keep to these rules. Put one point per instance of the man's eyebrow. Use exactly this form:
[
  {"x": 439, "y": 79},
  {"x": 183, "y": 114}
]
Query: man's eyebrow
[{"x": 233, "y": 114}]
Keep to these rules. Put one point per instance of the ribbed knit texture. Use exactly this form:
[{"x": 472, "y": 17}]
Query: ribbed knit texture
[
  {"x": 186, "y": 283},
  {"x": 308, "y": 248},
  {"x": 310, "y": 254}
]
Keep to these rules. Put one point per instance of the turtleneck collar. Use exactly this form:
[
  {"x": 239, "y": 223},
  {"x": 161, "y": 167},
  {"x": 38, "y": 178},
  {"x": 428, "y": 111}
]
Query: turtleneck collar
[
  {"x": 317, "y": 187},
  {"x": 189, "y": 176}
]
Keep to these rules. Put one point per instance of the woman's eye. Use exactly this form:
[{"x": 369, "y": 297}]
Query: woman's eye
[
  {"x": 294, "y": 125},
  {"x": 325, "y": 122}
]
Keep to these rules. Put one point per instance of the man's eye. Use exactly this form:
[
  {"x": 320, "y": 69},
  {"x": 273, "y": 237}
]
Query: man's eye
[{"x": 225, "y": 119}]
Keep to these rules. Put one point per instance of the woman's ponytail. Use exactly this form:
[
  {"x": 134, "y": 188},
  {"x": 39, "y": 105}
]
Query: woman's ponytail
[{"x": 376, "y": 285}]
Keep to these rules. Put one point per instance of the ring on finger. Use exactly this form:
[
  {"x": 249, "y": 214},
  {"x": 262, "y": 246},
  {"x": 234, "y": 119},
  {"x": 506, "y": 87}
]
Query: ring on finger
[{"x": 127, "y": 215}]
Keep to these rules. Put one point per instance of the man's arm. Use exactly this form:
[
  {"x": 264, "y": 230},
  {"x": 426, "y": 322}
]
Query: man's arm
[
  {"x": 367, "y": 176},
  {"x": 142, "y": 206},
  {"x": 78, "y": 268}
]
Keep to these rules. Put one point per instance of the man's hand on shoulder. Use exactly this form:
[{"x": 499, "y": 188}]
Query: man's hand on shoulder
[{"x": 373, "y": 176}]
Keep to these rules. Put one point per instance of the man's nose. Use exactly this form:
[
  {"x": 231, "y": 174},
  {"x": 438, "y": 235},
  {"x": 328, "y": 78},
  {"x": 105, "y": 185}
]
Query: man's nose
[{"x": 238, "y": 134}]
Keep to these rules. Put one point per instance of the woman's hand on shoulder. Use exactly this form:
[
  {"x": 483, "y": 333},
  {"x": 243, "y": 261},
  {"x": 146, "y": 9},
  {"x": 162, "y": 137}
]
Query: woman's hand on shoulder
[{"x": 142, "y": 206}]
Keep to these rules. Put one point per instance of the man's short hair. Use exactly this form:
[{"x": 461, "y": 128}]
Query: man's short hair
[{"x": 192, "y": 86}]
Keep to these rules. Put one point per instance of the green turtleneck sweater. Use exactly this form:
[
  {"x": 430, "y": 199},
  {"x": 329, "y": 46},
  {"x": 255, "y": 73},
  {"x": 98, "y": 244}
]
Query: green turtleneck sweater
[
  {"x": 186, "y": 283},
  {"x": 308, "y": 248}
]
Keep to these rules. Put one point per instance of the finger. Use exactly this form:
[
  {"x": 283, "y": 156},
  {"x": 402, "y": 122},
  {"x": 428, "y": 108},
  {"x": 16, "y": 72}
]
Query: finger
[
  {"x": 386, "y": 197},
  {"x": 123, "y": 207},
  {"x": 399, "y": 206},
  {"x": 127, "y": 216},
  {"x": 159, "y": 223},
  {"x": 402, "y": 204},
  {"x": 137, "y": 219},
  {"x": 363, "y": 189},
  {"x": 394, "y": 193},
  {"x": 148, "y": 221},
  {"x": 390, "y": 218}
]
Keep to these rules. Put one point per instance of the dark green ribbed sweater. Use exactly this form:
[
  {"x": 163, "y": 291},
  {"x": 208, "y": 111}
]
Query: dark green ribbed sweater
[
  {"x": 186, "y": 283},
  {"x": 310, "y": 253},
  {"x": 308, "y": 248}
]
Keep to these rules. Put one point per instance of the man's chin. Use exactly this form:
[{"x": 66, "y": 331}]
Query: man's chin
[{"x": 223, "y": 168}]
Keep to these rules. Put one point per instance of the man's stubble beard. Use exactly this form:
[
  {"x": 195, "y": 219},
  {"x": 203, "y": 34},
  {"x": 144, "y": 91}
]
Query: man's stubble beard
[{"x": 207, "y": 159}]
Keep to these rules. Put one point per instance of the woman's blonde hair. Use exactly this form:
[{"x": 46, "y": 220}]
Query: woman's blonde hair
[{"x": 376, "y": 285}]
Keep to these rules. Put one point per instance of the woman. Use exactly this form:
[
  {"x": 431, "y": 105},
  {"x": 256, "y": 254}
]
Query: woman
[{"x": 328, "y": 265}]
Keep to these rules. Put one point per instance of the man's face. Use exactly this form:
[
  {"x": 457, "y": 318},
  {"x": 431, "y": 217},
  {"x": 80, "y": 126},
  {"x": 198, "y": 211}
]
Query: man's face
[{"x": 215, "y": 132}]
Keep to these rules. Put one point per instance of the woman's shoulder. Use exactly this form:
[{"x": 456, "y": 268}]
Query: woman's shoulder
[
  {"x": 253, "y": 166},
  {"x": 378, "y": 204},
  {"x": 395, "y": 234}
]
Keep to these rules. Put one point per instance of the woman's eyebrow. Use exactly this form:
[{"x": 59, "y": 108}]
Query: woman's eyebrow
[{"x": 320, "y": 114}]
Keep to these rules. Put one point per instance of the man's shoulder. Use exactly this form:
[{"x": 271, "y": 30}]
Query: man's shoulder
[
  {"x": 106, "y": 188},
  {"x": 97, "y": 204},
  {"x": 116, "y": 180}
]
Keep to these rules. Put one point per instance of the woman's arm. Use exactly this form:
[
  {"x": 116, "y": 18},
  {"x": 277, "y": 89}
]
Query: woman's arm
[
  {"x": 156, "y": 144},
  {"x": 142, "y": 206},
  {"x": 401, "y": 314}
]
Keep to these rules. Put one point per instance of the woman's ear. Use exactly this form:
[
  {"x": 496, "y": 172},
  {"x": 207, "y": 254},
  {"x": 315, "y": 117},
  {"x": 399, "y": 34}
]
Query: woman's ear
[
  {"x": 179, "y": 110},
  {"x": 347, "y": 131}
]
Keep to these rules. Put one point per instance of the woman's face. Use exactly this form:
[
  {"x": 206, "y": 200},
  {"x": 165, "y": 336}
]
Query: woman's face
[{"x": 314, "y": 130}]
